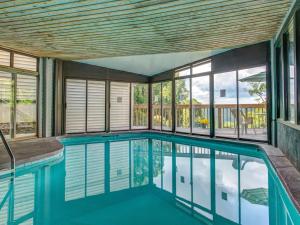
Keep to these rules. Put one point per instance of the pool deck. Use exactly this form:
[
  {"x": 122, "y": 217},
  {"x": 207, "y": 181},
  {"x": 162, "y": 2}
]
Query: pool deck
[
  {"x": 30, "y": 150},
  {"x": 36, "y": 149}
]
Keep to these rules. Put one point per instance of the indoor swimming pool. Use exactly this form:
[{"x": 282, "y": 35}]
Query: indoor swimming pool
[{"x": 147, "y": 179}]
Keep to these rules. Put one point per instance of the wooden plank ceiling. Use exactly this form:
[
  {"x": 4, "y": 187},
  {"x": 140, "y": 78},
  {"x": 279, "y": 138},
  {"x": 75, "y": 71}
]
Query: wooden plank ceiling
[{"x": 81, "y": 29}]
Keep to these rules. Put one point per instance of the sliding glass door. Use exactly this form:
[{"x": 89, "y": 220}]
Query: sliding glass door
[{"x": 240, "y": 102}]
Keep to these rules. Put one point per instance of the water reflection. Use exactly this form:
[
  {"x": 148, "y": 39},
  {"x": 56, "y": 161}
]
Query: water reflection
[{"x": 145, "y": 181}]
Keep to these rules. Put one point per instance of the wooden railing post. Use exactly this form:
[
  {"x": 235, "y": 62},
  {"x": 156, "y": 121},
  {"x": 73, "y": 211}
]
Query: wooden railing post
[{"x": 219, "y": 117}]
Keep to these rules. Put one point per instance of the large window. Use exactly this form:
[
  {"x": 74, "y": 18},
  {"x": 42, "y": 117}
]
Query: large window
[
  {"x": 139, "y": 108},
  {"x": 200, "y": 105},
  {"x": 182, "y": 101}
]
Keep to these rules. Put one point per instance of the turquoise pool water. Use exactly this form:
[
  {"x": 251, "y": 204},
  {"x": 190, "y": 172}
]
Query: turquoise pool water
[{"x": 147, "y": 179}]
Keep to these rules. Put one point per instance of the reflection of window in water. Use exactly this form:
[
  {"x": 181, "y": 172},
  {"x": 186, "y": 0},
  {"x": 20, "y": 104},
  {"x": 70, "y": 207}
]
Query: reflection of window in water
[
  {"x": 119, "y": 161},
  {"x": 254, "y": 191},
  {"x": 201, "y": 177},
  {"x": 139, "y": 163},
  {"x": 226, "y": 187},
  {"x": 84, "y": 170},
  {"x": 4, "y": 209},
  {"x": 183, "y": 173},
  {"x": 24, "y": 193}
]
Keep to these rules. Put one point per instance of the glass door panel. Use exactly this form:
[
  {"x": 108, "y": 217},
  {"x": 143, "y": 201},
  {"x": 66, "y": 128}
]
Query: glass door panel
[
  {"x": 26, "y": 105},
  {"x": 5, "y": 103},
  {"x": 200, "y": 105},
  {"x": 225, "y": 103},
  {"x": 119, "y": 107},
  {"x": 75, "y": 106},
  {"x": 252, "y": 103},
  {"x": 182, "y": 101},
  {"x": 139, "y": 106},
  {"x": 167, "y": 105},
  {"x": 156, "y": 106}
]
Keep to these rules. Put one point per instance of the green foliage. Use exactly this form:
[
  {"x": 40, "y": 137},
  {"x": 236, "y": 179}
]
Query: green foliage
[
  {"x": 141, "y": 94},
  {"x": 258, "y": 89}
]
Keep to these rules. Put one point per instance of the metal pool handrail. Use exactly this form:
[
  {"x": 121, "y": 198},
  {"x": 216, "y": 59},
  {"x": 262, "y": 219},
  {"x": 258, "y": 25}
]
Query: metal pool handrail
[{"x": 10, "y": 153}]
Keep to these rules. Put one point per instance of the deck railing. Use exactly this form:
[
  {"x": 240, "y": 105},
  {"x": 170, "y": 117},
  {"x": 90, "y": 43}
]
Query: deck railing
[{"x": 226, "y": 116}]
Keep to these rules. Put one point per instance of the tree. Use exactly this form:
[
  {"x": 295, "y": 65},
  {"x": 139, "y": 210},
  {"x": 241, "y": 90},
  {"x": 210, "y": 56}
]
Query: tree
[{"x": 258, "y": 89}]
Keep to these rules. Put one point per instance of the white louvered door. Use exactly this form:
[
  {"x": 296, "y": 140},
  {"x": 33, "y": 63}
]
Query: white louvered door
[
  {"x": 119, "y": 108},
  {"x": 96, "y": 106},
  {"x": 75, "y": 106}
]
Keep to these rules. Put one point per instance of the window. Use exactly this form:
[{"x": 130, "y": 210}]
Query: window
[
  {"x": 240, "y": 104},
  {"x": 119, "y": 106},
  {"x": 95, "y": 106},
  {"x": 201, "y": 68},
  {"x": 4, "y": 58},
  {"x": 291, "y": 73},
  {"x": 18, "y": 96},
  {"x": 25, "y": 62},
  {"x": 167, "y": 105},
  {"x": 252, "y": 103},
  {"x": 85, "y": 106},
  {"x": 22, "y": 104},
  {"x": 156, "y": 106},
  {"x": 200, "y": 105},
  {"x": 5, "y": 102},
  {"x": 26, "y": 105},
  {"x": 225, "y": 104},
  {"x": 75, "y": 106},
  {"x": 139, "y": 108},
  {"x": 182, "y": 101},
  {"x": 183, "y": 72}
]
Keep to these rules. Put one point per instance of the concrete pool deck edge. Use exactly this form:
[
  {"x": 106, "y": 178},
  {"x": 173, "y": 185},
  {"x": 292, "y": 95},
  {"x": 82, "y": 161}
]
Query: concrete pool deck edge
[{"x": 29, "y": 151}]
